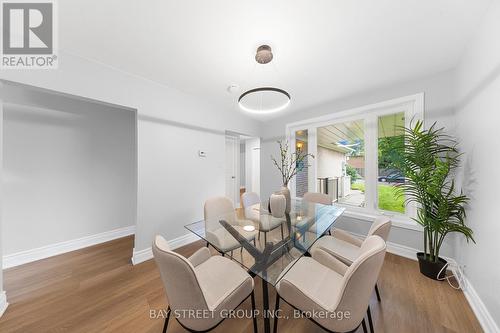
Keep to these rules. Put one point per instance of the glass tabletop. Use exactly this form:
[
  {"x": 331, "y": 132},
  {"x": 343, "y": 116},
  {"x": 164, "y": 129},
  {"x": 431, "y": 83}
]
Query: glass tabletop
[{"x": 288, "y": 237}]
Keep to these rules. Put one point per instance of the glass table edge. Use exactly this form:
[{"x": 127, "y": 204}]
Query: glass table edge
[{"x": 340, "y": 211}]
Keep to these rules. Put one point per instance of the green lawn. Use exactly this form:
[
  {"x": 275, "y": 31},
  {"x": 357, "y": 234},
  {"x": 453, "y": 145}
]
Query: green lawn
[{"x": 387, "y": 197}]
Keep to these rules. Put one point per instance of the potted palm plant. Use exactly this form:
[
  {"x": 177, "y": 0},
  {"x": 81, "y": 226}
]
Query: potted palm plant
[
  {"x": 288, "y": 165},
  {"x": 428, "y": 159}
]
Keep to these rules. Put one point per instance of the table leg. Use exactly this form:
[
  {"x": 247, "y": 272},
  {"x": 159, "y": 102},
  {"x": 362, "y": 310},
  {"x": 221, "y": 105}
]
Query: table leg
[{"x": 265, "y": 305}]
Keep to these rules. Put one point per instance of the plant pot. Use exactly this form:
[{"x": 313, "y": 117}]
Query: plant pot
[{"x": 431, "y": 269}]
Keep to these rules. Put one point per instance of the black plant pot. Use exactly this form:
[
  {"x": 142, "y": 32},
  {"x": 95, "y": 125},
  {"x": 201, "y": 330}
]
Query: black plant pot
[{"x": 431, "y": 269}]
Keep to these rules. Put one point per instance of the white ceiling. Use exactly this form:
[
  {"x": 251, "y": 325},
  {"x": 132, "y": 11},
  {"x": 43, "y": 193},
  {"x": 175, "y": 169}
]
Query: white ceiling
[{"x": 323, "y": 49}]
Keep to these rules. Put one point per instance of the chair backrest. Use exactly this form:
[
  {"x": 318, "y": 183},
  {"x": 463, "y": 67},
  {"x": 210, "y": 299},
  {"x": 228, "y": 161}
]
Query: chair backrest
[
  {"x": 277, "y": 205},
  {"x": 315, "y": 197},
  {"x": 249, "y": 199},
  {"x": 179, "y": 278},
  {"x": 381, "y": 227},
  {"x": 359, "y": 282},
  {"x": 216, "y": 208}
]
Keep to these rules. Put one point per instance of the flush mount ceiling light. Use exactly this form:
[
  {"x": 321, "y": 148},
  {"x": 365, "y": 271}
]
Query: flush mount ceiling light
[
  {"x": 264, "y": 99},
  {"x": 264, "y": 54}
]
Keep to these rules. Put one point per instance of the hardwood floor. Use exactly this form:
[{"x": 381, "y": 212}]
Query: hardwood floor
[{"x": 98, "y": 290}]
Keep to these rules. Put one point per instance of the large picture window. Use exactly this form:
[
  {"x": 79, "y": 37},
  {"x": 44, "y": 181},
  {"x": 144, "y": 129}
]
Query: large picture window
[{"x": 353, "y": 153}]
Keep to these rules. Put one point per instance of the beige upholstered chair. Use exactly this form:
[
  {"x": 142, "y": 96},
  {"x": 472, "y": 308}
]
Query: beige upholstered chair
[
  {"x": 250, "y": 200},
  {"x": 320, "y": 198},
  {"x": 324, "y": 285},
  {"x": 347, "y": 248},
  {"x": 267, "y": 222},
  {"x": 218, "y": 208},
  {"x": 209, "y": 284}
]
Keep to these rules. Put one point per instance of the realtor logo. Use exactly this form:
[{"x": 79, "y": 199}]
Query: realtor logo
[{"x": 28, "y": 34}]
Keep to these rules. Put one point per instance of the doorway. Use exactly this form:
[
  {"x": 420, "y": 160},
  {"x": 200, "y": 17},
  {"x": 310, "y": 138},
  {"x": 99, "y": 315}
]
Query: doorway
[
  {"x": 232, "y": 171},
  {"x": 242, "y": 166}
]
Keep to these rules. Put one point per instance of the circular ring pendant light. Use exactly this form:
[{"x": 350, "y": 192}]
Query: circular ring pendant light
[{"x": 264, "y": 100}]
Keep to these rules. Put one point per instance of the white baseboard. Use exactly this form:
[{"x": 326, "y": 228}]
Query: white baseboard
[
  {"x": 43, "y": 252},
  {"x": 394, "y": 248},
  {"x": 141, "y": 256},
  {"x": 147, "y": 254},
  {"x": 3, "y": 302},
  {"x": 402, "y": 250},
  {"x": 483, "y": 315}
]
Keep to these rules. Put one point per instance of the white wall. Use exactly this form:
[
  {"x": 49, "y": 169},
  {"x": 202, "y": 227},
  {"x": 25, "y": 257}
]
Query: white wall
[
  {"x": 3, "y": 298},
  {"x": 242, "y": 164},
  {"x": 329, "y": 163},
  {"x": 252, "y": 165},
  {"x": 270, "y": 177},
  {"x": 439, "y": 104},
  {"x": 69, "y": 169},
  {"x": 155, "y": 104},
  {"x": 182, "y": 179},
  {"x": 477, "y": 122}
]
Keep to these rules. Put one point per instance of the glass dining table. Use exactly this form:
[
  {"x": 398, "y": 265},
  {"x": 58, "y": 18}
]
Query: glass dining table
[{"x": 289, "y": 237}]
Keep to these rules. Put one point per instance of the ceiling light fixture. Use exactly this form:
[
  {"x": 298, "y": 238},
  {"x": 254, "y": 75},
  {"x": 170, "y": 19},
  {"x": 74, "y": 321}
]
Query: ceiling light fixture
[
  {"x": 264, "y": 54},
  {"x": 264, "y": 100}
]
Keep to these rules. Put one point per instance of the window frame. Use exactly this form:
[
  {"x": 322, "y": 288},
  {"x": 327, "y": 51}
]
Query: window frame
[{"x": 413, "y": 108}]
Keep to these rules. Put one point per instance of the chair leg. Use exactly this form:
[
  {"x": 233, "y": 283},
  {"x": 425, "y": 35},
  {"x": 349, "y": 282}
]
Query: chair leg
[
  {"x": 254, "y": 318},
  {"x": 254, "y": 242},
  {"x": 208, "y": 244},
  {"x": 364, "y": 325},
  {"x": 377, "y": 292},
  {"x": 282, "y": 234},
  {"x": 276, "y": 308},
  {"x": 166, "y": 320},
  {"x": 259, "y": 235},
  {"x": 265, "y": 238},
  {"x": 231, "y": 253},
  {"x": 370, "y": 321}
]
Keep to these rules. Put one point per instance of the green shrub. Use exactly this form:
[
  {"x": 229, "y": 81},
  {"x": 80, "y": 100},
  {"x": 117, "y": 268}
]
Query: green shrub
[{"x": 351, "y": 172}]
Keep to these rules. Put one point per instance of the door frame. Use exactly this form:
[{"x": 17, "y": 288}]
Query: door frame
[{"x": 235, "y": 142}]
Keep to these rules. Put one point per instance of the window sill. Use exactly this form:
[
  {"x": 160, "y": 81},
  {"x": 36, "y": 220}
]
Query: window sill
[{"x": 399, "y": 221}]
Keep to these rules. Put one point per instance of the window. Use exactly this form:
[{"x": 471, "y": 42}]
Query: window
[
  {"x": 390, "y": 134},
  {"x": 354, "y": 150},
  {"x": 341, "y": 162}
]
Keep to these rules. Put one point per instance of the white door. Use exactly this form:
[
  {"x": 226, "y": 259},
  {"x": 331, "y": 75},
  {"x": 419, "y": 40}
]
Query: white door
[
  {"x": 232, "y": 181},
  {"x": 256, "y": 170}
]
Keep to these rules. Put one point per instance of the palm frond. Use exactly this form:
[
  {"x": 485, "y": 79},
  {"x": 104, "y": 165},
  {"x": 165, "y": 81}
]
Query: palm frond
[{"x": 428, "y": 159}]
